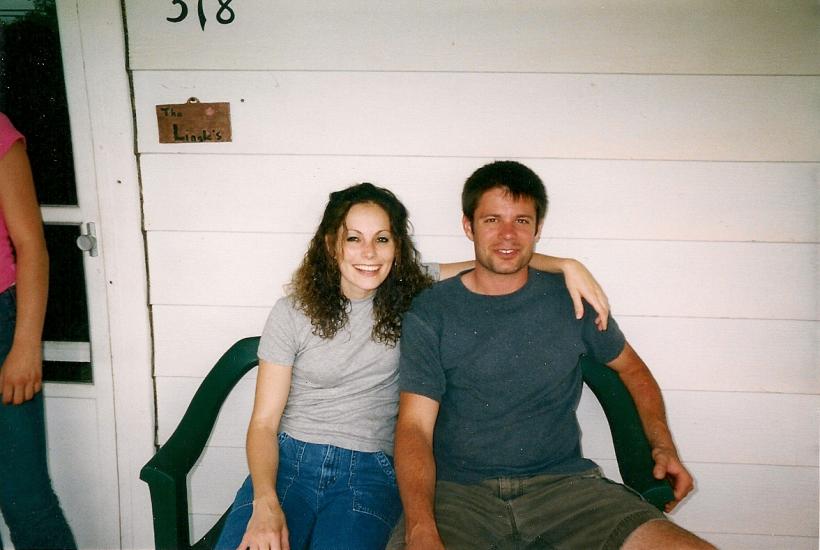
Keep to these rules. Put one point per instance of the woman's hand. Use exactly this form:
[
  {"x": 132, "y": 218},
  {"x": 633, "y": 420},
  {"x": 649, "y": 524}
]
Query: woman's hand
[
  {"x": 21, "y": 375},
  {"x": 267, "y": 528},
  {"x": 581, "y": 284}
]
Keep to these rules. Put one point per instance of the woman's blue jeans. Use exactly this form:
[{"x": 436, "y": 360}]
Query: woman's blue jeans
[
  {"x": 27, "y": 500},
  {"x": 333, "y": 498}
]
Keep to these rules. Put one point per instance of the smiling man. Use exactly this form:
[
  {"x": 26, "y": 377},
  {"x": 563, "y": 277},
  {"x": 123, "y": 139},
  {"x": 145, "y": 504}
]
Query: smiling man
[{"x": 488, "y": 450}]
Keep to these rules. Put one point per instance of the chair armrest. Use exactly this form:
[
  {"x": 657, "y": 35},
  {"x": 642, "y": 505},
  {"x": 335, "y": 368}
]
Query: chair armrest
[
  {"x": 167, "y": 471},
  {"x": 631, "y": 446}
]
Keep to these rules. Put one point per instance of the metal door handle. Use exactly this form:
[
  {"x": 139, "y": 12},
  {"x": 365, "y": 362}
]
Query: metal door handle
[{"x": 87, "y": 242}]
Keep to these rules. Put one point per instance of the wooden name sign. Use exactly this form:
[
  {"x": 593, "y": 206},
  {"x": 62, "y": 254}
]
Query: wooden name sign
[{"x": 194, "y": 122}]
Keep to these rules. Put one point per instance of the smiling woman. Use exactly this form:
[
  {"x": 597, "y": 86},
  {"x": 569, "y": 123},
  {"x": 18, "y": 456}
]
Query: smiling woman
[
  {"x": 327, "y": 388},
  {"x": 318, "y": 284},
  {"x": 366, "y": 251}
]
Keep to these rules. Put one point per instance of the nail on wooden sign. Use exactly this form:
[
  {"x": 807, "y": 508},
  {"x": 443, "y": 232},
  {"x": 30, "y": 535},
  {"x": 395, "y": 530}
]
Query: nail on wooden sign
[{"x": 194, "y": 122}]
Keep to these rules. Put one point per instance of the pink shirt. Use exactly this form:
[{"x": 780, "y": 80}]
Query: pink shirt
[{"x": 8, "y": 137}]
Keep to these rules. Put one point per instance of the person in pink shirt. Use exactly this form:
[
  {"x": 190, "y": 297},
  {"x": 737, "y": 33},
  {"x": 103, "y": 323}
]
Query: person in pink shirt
[{"x": 27, "y": 500}]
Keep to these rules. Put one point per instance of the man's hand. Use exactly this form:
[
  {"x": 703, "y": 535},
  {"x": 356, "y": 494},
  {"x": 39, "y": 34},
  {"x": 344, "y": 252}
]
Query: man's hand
[
  {"x": 21, "y": 375},
  {"x": 423, "y": 538},
  {"x": 581, "y": 284},
  {"x": 669, "y": 466},
  {"x": 267, "y": 528}
]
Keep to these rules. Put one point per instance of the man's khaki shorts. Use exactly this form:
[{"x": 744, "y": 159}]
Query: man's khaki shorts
[{"x": 583, "y": 511}]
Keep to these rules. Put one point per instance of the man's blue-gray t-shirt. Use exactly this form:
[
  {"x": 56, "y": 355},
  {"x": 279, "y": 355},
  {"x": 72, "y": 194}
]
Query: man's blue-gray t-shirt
[{"x": 504, "y": 370}]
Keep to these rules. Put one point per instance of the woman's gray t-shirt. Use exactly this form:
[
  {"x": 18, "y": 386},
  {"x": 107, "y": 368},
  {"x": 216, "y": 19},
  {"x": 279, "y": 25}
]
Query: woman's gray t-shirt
[{"x": 344, "y": 390}]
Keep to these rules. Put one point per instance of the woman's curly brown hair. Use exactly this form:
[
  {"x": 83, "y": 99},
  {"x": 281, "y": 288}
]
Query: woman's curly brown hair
[{"x": 316, "y": 284}]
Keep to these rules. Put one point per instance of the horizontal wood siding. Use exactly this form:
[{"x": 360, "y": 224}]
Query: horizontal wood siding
[
  {"x": 680, "y": 145},
  {"x": 692, "y": 201},
  {"x": 575, "y": 36},
  {"x": 754, "y": 118},
  {"x": 677, "y": 278}
]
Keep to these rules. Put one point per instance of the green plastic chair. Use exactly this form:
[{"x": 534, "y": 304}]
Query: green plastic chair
[
  {"x": 167, "y": 472},
  {"x": 632, "y": 449}
]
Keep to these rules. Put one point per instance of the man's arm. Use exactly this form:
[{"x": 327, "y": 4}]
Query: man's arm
[
  {"x": 416, "y": 470},
  {"x": 648, "y": 399}
]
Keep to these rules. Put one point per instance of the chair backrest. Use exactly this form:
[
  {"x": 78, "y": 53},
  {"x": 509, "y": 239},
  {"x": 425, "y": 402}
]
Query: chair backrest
[
  {"x": 167, "y": 472},
  {"x": 631, "y": 446}
]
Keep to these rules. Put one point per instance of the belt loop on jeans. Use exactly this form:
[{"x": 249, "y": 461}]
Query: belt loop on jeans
[{"x": 510, "y": 488}]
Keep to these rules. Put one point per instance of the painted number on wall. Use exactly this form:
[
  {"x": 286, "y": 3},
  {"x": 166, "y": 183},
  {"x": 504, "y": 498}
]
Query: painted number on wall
[{"x": 224, "y": 13}]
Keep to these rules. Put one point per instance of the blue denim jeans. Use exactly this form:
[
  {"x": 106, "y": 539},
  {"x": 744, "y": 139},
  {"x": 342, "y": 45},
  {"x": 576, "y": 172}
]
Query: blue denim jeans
[
  {"x": 27, "y": 500},
  {"x": 333, "y": 498}
]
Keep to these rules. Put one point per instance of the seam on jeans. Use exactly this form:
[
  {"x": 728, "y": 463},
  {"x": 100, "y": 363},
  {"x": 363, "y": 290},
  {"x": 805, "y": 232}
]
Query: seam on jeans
[
  {"x": 330, "y": 466},
  {"x": 374, "y": 515},
  {"x": 351, "y": 475},
  {"x": 388, "y": 469},
  {"x": 389, "y": 482},
  {"x": 515, "y": 535},
  {"x": 285, "y": 491},
  {"x": 284, "y": 437},
  {"x": 300, "y": 453},
  {"x": 380, "y": 513}
]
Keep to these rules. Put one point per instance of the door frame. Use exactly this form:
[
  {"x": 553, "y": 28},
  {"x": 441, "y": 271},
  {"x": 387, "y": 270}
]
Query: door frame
[{"x": 97, "y": 28}]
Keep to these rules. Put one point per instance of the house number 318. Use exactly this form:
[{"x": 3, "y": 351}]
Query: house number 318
[{"x": 224, "y": 15}]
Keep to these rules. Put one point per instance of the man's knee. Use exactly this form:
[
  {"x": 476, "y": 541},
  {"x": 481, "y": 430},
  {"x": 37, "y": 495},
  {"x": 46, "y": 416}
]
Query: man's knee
[{"x": 663, "y": 533}]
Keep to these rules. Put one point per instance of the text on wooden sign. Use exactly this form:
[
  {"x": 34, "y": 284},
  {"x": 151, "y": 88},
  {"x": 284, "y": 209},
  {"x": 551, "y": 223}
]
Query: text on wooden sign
[{"x": 194, "y": 122}]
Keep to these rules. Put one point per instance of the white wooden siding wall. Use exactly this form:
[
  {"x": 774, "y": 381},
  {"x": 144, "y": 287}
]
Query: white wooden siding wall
[{"x": 679, "y": 142}]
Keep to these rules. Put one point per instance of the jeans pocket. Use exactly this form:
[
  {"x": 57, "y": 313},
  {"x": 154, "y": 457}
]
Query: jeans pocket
[
  {"x": 291, "y": 450},
  {"x": 373, "y": 483}
]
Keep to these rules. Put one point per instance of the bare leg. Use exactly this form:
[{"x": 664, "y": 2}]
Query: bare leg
[{"x": 664, "y": 534}]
